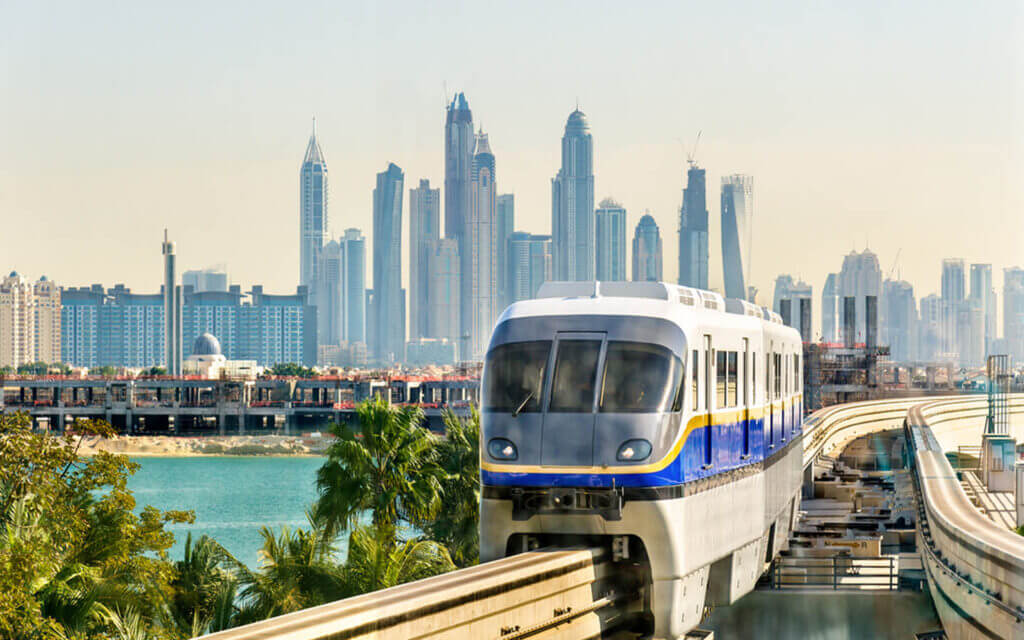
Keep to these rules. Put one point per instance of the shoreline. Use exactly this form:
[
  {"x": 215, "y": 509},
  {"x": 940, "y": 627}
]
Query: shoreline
[{"x": 206, "y": 446}]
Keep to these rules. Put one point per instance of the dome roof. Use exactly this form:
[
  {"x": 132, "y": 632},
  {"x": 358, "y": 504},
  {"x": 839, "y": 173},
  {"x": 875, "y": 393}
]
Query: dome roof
[
  {"x": 206, "y": 345},
  {"x": 577, "y": 121}
]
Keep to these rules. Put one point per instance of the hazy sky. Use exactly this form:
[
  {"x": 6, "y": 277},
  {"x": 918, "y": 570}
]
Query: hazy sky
[{"x": 887, "y": 124}]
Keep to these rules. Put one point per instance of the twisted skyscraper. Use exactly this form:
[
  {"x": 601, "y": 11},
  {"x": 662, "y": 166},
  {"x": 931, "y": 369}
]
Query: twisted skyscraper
[{"x": 737, "y": 212}]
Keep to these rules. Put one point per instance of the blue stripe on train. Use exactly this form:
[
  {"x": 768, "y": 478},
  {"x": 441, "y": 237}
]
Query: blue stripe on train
[{"x": 687, "y": 466}]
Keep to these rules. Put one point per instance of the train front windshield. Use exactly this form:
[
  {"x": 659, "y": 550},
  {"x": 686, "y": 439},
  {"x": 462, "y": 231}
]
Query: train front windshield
[{"x": 636, "y": 377}]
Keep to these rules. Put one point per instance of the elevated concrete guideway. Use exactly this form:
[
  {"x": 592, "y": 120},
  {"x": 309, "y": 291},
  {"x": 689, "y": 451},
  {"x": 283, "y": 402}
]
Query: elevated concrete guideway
[{"x": 974, "y": 567}]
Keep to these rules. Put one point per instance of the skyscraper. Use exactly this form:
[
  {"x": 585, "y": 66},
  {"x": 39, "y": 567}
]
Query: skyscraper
[
  {"x": 210, "y": 279},
  {"x": 329, "y": 295},
  {"x": 983, "y": 295},
  {"x": 693, "y": 231},
  {"x": 737, "y": 218},
  {"x": 459, "y": 144},
  {"x": 505, "y": 222},
  {"x": 610, "y": 258},
  {"x": 529, "y": 264},
  {"x": 388, "y": 317},
  {"x": 830, "y": 309},
  {"x": 480, "y": 288},
  {"x": 354, "y": 245},
  {"x": 312, "y": 210},
  {"x": 443, "y": 305},
  {"x": 647, "y": 263},
  {"x": 1013, "y": 311},
  {"x": 900, "y": 320},
  {"x": 424, "y": 230},
  {"x": 786, "y": 288},
  {"x": 953, "y": 296},
  {"x": 572, "y": 204},
  {"x": 929, "y": 332},
  {"x": 861, "y": 276}
]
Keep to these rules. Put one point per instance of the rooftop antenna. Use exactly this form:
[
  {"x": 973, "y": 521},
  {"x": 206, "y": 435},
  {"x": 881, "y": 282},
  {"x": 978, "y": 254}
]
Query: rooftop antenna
[
  {"x": 693, "y": 152},
  {"x": 314, "y": 126}
]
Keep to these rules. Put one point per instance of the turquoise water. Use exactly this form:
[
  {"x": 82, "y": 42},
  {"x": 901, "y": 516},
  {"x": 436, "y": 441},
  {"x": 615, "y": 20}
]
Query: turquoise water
[{"x": 232, "y": 497}]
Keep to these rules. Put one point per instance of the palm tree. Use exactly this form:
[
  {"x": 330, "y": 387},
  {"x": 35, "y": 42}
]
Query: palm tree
[
  {"x": 388, "y": 469},
  {"x": 200, "y": 588},
  {"x": 457, "y": 524},
  {"x": 297, "y": 571},
  {"x": 377, "y": 561}
]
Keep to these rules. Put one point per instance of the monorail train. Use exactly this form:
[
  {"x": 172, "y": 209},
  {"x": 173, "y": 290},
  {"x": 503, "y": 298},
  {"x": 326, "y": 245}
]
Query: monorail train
[{"x": 660, "y": 420}]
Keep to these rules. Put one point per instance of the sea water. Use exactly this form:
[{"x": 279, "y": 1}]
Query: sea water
[{"x": 233, "y": 497}]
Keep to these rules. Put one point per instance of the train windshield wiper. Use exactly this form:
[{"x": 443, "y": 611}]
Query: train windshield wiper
[{"x": 522, "y": 404}]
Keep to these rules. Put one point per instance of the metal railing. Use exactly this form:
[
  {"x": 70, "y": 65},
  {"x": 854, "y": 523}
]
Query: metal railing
[{"x": 836, "y": 573}]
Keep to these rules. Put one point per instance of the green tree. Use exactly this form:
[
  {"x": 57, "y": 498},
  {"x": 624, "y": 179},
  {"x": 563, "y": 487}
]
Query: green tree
[
  {"x": 33, "y": 369},
  {"x": 389, "y": 469},
  {"x": 297, "y": 571},
  {"x": 106, "y": 371},
  {"x": 156, "y": 371},
  {"x": 203, "y": 589},
  {"x": 291, "y": 370},
  {"x": 75, "y": 558},
  {"x": 457, "y": 524},
  {"x": 377, "y": 561}
]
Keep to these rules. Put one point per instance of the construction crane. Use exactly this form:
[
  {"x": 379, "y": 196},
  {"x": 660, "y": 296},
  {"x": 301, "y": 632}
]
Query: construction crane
[
  {"x": 690, "y": 156},
  {"x": 895, "y": 263}
]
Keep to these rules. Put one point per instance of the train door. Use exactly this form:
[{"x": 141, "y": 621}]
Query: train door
[
  {"x": 567, "y": 433},
  {"x": 709, "y": 359},
  {"x": 747, "y": 376}
]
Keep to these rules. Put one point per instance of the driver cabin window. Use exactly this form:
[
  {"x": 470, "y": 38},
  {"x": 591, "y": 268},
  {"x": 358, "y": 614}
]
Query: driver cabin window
[
  {"x": 514, "y": 377},
  {"x": 572, "y": 389}
]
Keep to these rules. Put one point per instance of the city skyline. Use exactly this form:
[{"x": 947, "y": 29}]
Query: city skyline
[{"x": 72, "y": 176}]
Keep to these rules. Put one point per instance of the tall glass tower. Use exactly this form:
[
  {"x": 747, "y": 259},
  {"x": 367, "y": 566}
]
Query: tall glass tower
[
  {"x": 424, "y": 230},
  {"x": 647, "y": 250},
  {"x": 693, "y": 231},
  {"x": 610, "y": 253},
  {"x": 312, "y": 210},
  {"x": 481, "y": 287},
  {"x": 572, "y": 204},
  {"x": 737, "y": 213},
  {"x": 388, "y": 299}
]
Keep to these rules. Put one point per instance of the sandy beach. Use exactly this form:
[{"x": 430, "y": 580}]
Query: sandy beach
[{"x": 172, "y": 446}]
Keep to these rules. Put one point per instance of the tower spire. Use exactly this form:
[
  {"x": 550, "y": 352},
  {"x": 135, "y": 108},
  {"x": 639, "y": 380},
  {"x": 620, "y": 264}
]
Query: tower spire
[{"x": 314, "y": 126}]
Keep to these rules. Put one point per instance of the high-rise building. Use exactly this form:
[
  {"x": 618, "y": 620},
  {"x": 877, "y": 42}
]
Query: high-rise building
[
  {"x": 572, "y": 204},
  {"x": 983, "y": 295},
  {"x": 216, "y": 313},
  {"x": 504, "y": 225},
  {"x": 1013, "y": 311},
  {"x": 830, "y": 309},
  {"x": 481, "y": 286},
  {"x": 278, "y": 328},
  {"x": 459, "y": 145},
  {"x": 424, "y": 230},
  {"x": 329, "y": 295},
  {"x": 210, "y": 279},
  {"x": 953, "y": 297},
  {"x": 354, "y": 245},
  {"x": 647, "y": 250},
  {"x": 899, "y": 320},
  {"x": 172, "y": 301},
  {"x": 312, "y": 210},
  {"x": 793, "y": 291},
  {"x": 529, "y": 264},
  {"x": 30, "y": 321},
  {"x": 930, "y": 331},
  {"x": 737, "y": 223},
  {"x": 388, "y": 317},
  {"x": 860, "y": 277},
  {"x": 80, "y": 315},
  {"x": 443, "y": 305},
  {"x": 693, "y": 230},
  {"x": 610, "y": 258}
]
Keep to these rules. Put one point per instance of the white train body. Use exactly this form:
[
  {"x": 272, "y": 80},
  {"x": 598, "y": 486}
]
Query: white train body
[{"x": 651, "y": 413}]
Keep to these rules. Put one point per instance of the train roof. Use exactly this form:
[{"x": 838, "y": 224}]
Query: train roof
[{"x": 697, "y": 299}]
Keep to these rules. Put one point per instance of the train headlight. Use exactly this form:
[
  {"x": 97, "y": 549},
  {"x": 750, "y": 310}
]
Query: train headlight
[
  {"x": 634, "y": 450},
  {"x": 502, "y": 449}
]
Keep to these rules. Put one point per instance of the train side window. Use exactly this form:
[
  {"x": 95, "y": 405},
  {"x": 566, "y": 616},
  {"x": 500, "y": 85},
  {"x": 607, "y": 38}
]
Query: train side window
[
  {"x": 753, "y": 378},
  {"x": 777, "y": 377},
  {"x": 731, "y": 379},
  {"x": 720, "y": 372},
  {"x": 694, "y": 372},
  {"x": 799, "y": 373}
]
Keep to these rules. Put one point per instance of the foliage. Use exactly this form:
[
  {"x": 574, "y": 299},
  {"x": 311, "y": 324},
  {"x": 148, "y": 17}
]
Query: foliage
[
  {"x": 106, "y": 371},
  {"x": 377, "y": 561},
  {"x": 457, "y": 523},
  {"x": 42, "y": 369},
  {"x": 291, "y": 370},
  {"x": 76, "y": 561},
  {"x": 389, "y": 469},
  {"x": 156, "y": 371},
  {"x": 6, "y": 371}
]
